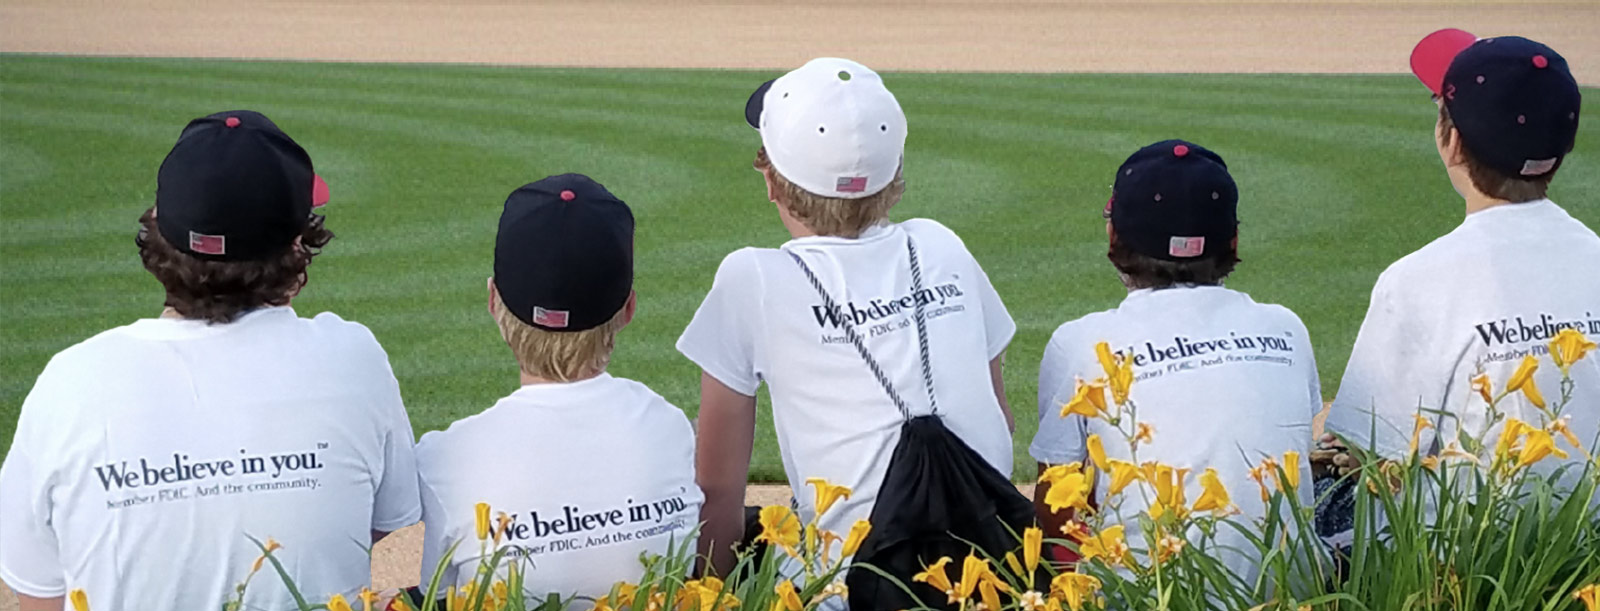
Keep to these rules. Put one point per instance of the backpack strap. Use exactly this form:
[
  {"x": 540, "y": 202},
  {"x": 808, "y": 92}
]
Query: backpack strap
[{"x": 861, "y": 346}]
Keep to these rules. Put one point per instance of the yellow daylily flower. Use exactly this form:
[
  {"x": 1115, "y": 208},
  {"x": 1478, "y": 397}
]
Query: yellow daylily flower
[
  {"x": 828, "y": 539},
  {"x": 1032, "y": 543},
  {"x": 1568, "y": 347},
  {"x": 1054, "y": 473},
  {"x": 837, "y": 588},
  {"x": 1122, "y": 474},
  {"x": 1108, "y": 362},
  {"x": 1430, "y": 463},
  {"x": 1483, "y": 387},
  {"x": 1291, "y": 470},
  {"x": 270, "y": 546},
  {"x": 369, "y": 598},
  {"x": 934, "y": 576},
  {"x": 1110, "y": 545},
  {"x": 1537, "y": 446},
  {"x": 1097, "y": 452},
  {"x": 481, "y": 512},
  {"x": 1088, "y": 400},
  {"x": 989, "y": 595},
  {"x": 1070, "y": 490},
  {"x": 827, "y": 494},
  {"x": 1259, "y": 473},
  {"x": 502, "y": 523},
  {"x": 1453, "y": 451},
  {"x": 1589, "y": 595},
  {"x": 858, "y": 533},
  {"x": 1073, "y": 588},
  {"x": 1168, "y": 547},
  {"x": 1531, "y": 391},
  {"x": 1014, "y": 564},
  {"x": 1031, "y": 601},
  {"x": 1562, "y": 426},
  {"x": 80, "y": 600},
  {"x": 973, "y": 570},
  {"x": 705, "y": 595},
  {"x": 1169, "y": 483},
  {"x": 788, "y": 598},
  {"x": 1509, "y": 436},
  {"x": 780, "y": 527},
  {"x": 1523, "y": 373},
  {"x": 1416, "y": 431},
  {"x": 499, "y": 589},
  {"x": 338, "y": 603},
  {"x": 1144, "y": 434},
  {"x": 1213, "y": 496},
  {"x": 1076, "y": 530}
]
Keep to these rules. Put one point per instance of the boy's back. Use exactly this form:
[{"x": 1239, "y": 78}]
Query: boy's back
[
  {"x": 763, "y": 321},
  {"x": 590, "y": 473}
]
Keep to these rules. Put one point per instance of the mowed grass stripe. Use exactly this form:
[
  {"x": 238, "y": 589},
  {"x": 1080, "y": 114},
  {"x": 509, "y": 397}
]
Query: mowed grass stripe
[{"x": 1336, "y": 174}]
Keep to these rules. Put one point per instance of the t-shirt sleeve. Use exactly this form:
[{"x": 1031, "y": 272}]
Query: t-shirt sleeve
[
  {"x": 998, "y": 326},
  {"x": 1387, "y": 379},
  {"x": 1059, "y": 440},
  {"x": 29, "y": 552},
  {"x": 436, "y": 538},
  {"x": 396, "y": 502},
  {"x": 721, "y": 337}
]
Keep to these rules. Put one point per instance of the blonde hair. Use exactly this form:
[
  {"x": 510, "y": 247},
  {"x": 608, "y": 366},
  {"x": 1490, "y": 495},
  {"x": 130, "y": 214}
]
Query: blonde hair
[
  {"x": 558, "y": 356},
  {"x": 831, "y": 216}
]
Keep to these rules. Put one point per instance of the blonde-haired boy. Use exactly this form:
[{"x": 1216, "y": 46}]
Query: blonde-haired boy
[
  {"x": 582, "y": 471},
  {"x": 833, "y": 139}
]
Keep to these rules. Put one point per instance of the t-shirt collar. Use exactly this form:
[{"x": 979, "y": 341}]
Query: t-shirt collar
[
  {"x": 872, "y": 234},
  {"x": 534, "y": 390},
  {"x": 1526, "y": 207},
  {"x": 181, "y": 328}
]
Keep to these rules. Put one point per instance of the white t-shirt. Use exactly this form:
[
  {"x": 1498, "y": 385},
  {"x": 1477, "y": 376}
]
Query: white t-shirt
[
  {"x": 764, "y": 322},
  {"x": 1225, "y": 382},
  {"x": 146, "y": 455},
  {"x": 592, "y": 473},
  {"x": 1492, "y": 291}
]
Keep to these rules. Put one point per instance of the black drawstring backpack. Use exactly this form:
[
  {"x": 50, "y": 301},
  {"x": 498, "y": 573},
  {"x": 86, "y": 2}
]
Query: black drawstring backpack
[{"x": 939, "y": 496}]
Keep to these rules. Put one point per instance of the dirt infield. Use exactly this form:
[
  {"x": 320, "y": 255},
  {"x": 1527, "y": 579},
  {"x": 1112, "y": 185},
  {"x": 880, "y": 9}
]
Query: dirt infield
[{"x": 971, "y": 35}]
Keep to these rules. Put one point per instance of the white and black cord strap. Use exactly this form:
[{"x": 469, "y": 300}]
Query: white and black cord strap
[{"x": 861, "y": 346}]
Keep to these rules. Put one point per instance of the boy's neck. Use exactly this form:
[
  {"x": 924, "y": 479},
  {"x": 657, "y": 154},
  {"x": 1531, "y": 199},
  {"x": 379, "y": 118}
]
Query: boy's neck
[
  {"x": 529, "y": 379},
  {"x": 1478, "y": 202}
]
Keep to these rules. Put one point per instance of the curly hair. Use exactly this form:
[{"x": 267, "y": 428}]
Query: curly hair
[
  {"x": 831, "y": 216},
  {"x": 222, "y": 291},
  {"x": 1144, "y": 272}
]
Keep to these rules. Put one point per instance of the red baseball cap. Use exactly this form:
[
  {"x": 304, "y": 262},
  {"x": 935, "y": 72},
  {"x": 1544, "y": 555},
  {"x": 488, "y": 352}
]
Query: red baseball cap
[{"x": 1431, "y": 58}]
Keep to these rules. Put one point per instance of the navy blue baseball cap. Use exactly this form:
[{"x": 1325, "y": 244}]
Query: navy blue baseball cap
[
  {"x": 235, "y": 188},
  {"x": 1513, "y": 100},
  {"x": 563, "y": 257},
  {"x": 1174, "y": 200}
]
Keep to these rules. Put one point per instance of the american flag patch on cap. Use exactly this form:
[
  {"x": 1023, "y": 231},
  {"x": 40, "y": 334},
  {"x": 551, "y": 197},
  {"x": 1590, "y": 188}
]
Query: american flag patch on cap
[
  {"x": 208, "y": 244},
  {"x": 554, "y": 319},
  {"x": 851, "y": 184},
  {"x": 1186, "y": 247}
]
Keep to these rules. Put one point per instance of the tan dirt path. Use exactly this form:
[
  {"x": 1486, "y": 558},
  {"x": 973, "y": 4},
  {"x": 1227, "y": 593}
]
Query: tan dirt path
[
  {"x": 926, "y": 35},
  {"x": 970, "y": 35}
]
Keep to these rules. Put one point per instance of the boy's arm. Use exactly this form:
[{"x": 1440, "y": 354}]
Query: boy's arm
[
  {"x": 726, "y": 436},
  {"x": 29, "y": 603},
  {"x": 1000, "y": 391}
]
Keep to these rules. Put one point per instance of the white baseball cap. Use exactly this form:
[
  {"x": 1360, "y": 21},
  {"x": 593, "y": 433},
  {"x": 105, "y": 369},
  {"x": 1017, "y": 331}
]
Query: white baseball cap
[{"x": 831, "y": 127}]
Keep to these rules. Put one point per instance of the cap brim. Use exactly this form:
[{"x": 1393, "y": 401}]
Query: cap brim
[
  {"x": 1432, "y": 56},
  {"x": 752, "y": 108},
  {"x": 319, "y": 191}
]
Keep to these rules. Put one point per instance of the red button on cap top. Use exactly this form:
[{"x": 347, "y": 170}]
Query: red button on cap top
[
  {"x": 1540, "y": 62},
  {"x": 568, "y": 196},
  {"x": 231, "y": 122},
  {"x": 1180, "y": 150}
]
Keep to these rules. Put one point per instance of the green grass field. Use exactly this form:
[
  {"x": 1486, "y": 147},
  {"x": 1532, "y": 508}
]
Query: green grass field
[{"x": 1337, "y": 176}]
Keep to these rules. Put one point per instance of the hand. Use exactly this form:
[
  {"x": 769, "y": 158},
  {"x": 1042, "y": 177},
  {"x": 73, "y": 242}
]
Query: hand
[{"x": 1331, "y": 459}]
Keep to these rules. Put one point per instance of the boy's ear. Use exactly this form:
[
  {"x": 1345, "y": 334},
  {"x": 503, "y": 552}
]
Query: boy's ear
[
  {"x": 630, "y": 308},
  {"x": 491, "y": 296},
  {"x": 772, "y": 185}
]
